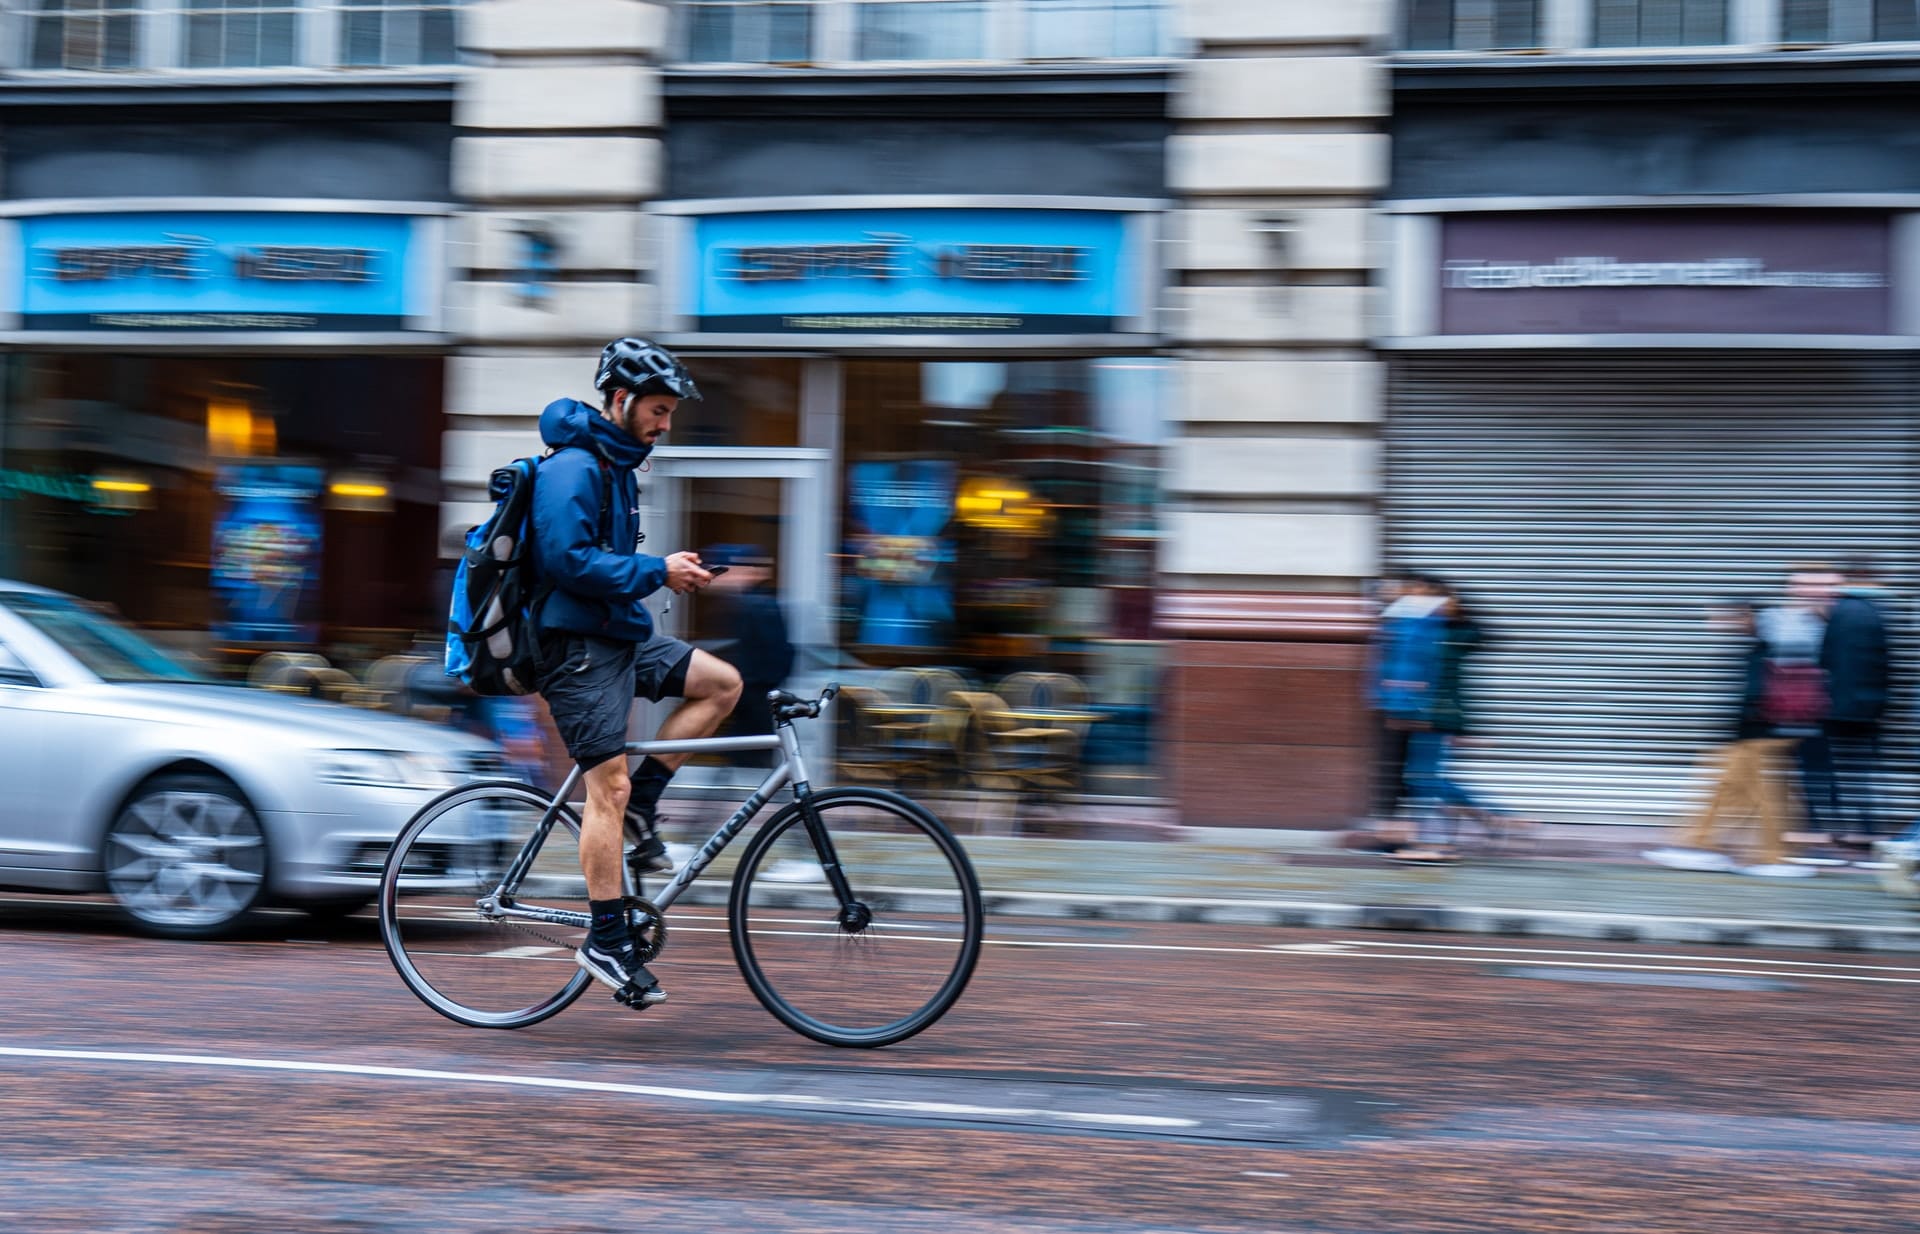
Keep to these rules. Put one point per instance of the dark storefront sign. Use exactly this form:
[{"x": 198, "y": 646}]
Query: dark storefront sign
[
  {"x": 215, "y": 270},
  {"x": 933, "y": 271},
  {"x": 1666, "y": 272}
]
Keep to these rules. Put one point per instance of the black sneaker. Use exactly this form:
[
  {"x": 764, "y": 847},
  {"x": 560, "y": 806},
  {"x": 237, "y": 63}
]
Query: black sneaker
[
  {"x": 647, "y": 853},
  {"x": 619, "y": 967}
]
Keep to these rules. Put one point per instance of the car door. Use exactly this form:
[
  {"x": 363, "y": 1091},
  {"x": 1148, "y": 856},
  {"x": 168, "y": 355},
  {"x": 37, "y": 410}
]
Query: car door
[{"x": 25, "y": 841}]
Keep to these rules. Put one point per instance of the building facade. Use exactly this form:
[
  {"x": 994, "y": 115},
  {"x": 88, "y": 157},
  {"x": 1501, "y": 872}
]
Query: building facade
[
  {"x": 1034, "y": 343},
  {"x": 1650, "y": 345},
  {"x": 1086, "y": 360},
  {"x": 221, "y": 327}
]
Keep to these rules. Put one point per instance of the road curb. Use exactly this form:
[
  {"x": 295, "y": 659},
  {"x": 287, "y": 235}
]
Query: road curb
[{"x": 1450, "y": 919}]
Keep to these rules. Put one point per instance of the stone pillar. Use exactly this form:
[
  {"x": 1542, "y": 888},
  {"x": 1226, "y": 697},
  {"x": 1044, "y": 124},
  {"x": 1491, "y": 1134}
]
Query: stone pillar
[
  {"x": 1279, "y": 154},
  {"x": 558, "y": 146}
]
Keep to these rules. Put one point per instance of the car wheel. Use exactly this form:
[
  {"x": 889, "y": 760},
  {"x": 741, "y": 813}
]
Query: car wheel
[{"x": 186, "y": 856}]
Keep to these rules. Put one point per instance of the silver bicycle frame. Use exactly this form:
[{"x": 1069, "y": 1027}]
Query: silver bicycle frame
[{"x": 790, "y": 770}]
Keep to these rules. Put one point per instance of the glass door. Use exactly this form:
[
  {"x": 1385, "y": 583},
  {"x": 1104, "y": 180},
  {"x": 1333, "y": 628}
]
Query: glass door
[{"x": 769, "y": 511}]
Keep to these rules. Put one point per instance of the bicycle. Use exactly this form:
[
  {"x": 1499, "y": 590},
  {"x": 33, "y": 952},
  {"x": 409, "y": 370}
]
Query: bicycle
[{"x": 854, "y": 914}]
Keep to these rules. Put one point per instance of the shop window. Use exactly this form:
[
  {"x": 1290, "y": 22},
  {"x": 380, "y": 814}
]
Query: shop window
[
  {"x": 1896, "y": 20},
  {"x": 920, "y": 30},
  {"x": 225, "y": 497},
  {"x": 242, "y": 33},
  {"x": 749, "y": 31},
  {"x": 744, "y": 401},
  {"x": 397, "y": 32},
  {"x": 1659, "y": 23},
  {"x": 999, "y": 524},
  {"x": 1472, "y": 25},
  {"x": 84, "y": 34},
  {"x": 841, "y": 31},
  {"x": 1076, "y": 29}
]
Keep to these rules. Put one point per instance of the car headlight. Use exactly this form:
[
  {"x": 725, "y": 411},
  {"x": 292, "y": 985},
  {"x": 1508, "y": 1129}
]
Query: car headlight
[{"x": 383, "y": 769}]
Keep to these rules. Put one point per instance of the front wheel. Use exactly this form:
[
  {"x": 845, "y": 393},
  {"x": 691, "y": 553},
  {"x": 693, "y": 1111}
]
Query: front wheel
[
  {"x": 880, "y": 965},
  {"x": 443, "y": 932}
]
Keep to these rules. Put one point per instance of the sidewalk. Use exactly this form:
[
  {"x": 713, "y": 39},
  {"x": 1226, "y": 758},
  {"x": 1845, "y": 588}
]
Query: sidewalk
[
  {"x": 1581, "y": 882},
  {"x": 1584, "y": 883}
]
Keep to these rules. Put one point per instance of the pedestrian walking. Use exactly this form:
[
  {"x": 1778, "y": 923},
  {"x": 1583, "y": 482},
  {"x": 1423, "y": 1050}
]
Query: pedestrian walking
[
  {"x": 757, "y": 640},
  {"x": 1407, "y": 666},
  {"x": 1399, "y": 597},
  {"x": 1433, "y": 751},
  {"x": 1855, "y": 656},
  {"x": 1750, "y": 774},
  {"x": 1796, "y": 631}
]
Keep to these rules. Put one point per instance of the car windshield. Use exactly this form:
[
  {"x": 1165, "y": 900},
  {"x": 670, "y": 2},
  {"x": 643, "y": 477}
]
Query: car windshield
[{"x": 111, "y": 650}]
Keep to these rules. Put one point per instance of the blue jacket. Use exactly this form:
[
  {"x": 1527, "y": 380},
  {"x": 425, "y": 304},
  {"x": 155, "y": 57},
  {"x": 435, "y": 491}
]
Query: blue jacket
[
  {"x": 596, "y": 590},
  {"x": 1407, "y": 668}
]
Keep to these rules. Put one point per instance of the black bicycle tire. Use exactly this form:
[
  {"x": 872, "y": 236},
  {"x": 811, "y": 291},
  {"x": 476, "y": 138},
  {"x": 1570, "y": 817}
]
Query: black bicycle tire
[
  {"x": 762, "y": 989},
  {"x": 389, "y": 899}
]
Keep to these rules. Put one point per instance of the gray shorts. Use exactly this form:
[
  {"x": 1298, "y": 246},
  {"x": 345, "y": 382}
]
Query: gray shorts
[{"x": 590, "y": 684}]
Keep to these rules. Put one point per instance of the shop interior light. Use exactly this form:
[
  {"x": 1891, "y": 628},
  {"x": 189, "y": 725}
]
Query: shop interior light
[
  {"x": 233, "y": 431},
  {"x": 999, "y": 505},
  {"x": 360, "y": 492},
  {"x": 121, "y": 492}
]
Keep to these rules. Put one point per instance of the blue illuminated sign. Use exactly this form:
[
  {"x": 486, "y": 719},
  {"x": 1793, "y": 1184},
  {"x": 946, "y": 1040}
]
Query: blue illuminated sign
[
  {"x": 913, "y": 271},
  {"x": 215, "y": 271}
]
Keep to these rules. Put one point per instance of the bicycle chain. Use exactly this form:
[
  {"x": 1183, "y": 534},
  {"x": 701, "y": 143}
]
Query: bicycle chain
[{"x": 646, "y": 945}]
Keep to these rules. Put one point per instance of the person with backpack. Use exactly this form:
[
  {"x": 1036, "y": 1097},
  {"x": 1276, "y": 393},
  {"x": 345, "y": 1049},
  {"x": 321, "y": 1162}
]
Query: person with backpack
[
  {"x": 1775, "y": 701},
  {"x": 597, "y": 649}
]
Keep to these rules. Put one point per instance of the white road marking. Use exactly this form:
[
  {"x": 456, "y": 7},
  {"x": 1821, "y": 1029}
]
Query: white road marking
[
  {"x": 1263, "y": 1174},
  {"x": 661, "y": 1092},
  {"x": 524, "y": 953},
  {"x": 1641, "y": 968},
  {"x": 1617, "y": 955}
]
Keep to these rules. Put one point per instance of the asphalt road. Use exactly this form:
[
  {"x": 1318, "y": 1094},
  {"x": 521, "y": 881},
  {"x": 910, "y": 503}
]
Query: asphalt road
[{"x": 1095, "y": 1078}]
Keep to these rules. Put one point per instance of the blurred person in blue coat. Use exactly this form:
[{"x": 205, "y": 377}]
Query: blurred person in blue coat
[{"x": 1406, "y": 667}]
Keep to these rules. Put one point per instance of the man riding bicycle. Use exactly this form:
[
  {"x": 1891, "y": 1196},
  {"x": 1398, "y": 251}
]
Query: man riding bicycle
[{"x": 598, "y": 647}]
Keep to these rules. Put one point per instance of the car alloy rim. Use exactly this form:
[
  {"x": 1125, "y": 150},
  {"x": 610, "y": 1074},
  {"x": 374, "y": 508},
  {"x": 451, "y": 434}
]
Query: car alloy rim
[{"x": 185, "y": 858}]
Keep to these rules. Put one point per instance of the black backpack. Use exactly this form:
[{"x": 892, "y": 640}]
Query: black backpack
[{"x": 492, "y": 642}]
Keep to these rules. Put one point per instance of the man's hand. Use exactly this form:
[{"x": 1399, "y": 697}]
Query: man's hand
[{"x": 684, "y": 573}]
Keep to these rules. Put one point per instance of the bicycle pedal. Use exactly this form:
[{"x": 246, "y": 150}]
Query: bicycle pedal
[{"x": 630, "y": 995}]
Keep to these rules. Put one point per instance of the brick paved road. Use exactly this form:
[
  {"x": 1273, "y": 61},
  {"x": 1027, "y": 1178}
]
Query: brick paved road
[{"x": 1097, "y": 1077}]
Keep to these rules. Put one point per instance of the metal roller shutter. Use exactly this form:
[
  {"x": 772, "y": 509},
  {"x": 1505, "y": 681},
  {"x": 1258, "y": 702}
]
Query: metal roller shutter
[{"x": 1591, "y": 507}]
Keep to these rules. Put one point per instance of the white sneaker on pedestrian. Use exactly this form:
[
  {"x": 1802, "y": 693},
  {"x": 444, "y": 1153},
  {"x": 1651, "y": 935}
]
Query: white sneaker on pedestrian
[
  {"x": 1777, "y": 870},
  {"x": 1689, "y": 859},
  {"x": 1901, "y": 858}
]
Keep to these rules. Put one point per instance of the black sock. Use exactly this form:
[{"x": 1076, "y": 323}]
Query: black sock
[
  {"x": 648, "y": 782},
  {"x": 609, "y": 919}
]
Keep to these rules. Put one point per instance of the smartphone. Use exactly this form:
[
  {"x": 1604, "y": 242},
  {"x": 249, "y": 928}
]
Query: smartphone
[{"x": 717, "y": 571}]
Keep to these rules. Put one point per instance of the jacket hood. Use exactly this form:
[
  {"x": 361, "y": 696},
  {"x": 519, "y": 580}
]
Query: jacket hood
[
  {"x": 570, "y": 422},
  {"x": 1415, "y": 606}
]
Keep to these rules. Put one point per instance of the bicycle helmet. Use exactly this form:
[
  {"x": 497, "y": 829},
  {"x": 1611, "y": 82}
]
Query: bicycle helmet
[{"x": 643, "y": 367}]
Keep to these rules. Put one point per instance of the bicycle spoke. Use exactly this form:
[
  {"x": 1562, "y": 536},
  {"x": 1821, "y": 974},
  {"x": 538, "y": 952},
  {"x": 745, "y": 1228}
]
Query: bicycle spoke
[
  {"x": 873, "y": 971},
  {"x": 467, "y": 962}
]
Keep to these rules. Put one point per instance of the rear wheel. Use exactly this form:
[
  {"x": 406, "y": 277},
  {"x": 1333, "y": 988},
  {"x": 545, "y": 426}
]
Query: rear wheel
[
  {"x": 449, "y": 943},
  {"x": 186, "y": 856},
  {"x": 886, "y": 963}
]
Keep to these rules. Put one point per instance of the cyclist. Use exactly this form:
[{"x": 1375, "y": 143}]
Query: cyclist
[{"x": 598, "y": 647}]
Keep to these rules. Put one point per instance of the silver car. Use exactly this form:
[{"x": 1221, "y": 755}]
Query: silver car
[{"x": 189, "y": 801}]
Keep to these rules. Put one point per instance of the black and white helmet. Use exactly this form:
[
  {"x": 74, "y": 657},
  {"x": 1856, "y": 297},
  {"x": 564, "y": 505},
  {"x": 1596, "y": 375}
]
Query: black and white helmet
[{"x": 643, "y": 367}]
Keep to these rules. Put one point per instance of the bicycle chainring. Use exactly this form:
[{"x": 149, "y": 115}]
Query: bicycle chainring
[{"x": 649, "y": 925}]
